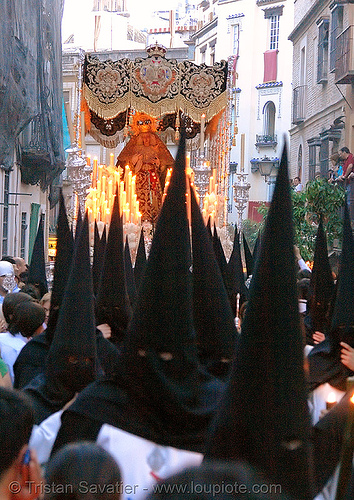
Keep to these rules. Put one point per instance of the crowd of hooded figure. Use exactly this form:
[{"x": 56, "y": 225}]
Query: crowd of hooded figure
[{"x": 138, "y": 383}]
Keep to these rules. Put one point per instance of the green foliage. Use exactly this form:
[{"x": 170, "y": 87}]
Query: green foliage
[
  {"x": 319, "y": 198},
  {"x": 251, "y": 230}
]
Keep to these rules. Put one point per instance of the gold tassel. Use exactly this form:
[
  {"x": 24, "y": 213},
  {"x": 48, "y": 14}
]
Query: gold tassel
[{"x": 177, "y": 126}]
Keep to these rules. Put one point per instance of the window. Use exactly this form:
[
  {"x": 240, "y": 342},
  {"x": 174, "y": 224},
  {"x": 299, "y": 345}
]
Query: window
[
  {"x": 97, "y": 5},
  {"x": 212, "y": 51},
  {"x": 322, "y": 58},
  {"x": 23, "y": 234},
  {"x": 269, "y": 119},
  {"x": 313, "y": 144},
  {"x": 274, "y": 32},
  {"x": 203, "y": 54},
  {"x": 336, "y": 28},
  {"x": 324, "y": 157},
  {"x": 273, "y": 14},
  {"x": 108, "y": 5},
  {"x": 303, "y": 66},
  {"x": 235, "y": 39}
]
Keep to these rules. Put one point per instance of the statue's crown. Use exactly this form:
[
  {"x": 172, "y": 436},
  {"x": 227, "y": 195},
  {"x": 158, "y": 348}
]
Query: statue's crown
[{"x": 156, "y": 49}]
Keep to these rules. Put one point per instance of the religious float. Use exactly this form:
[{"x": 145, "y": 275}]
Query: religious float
[{"x": 142, "y": 103}]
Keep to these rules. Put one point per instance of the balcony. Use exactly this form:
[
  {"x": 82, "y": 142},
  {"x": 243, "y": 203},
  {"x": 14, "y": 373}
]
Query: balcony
[
  {"x": 264, "y": 141},
  {"x": 344, "y": 72},
  {"x": 299, "y": 104}
]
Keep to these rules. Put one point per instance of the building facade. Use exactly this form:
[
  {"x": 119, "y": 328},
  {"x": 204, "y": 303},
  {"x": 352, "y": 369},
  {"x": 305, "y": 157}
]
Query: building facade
[
  {"x": 323, "y": 73},
  {"x": 31, "y": 139},
  {"x": 254, "y": 37}
]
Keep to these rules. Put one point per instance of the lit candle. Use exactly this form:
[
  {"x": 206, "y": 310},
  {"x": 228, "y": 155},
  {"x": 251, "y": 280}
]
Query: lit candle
[
  {"x": 188, "y": 161},
  {"x": 123, "y": 198},
  {"x": 111, "y": 160},
  {"x": 88, "y": 160},
  {"x": 129, "y": 188},
  {"x": 89, "y": 213},
  {"x": 202, "y": 125},
  {"x": 100, "y": 169},
  {"x": 197, "y": 197},
  {"x": 331, "y": 400},
  {"x": 103, "y": 183},
  {"x": 212, "y": 215},
  {"x": 94, "y": 173},
  {"x": 110, "y": 192}
]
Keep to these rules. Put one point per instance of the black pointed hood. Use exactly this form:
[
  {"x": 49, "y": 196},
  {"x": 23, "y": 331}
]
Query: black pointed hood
[
  {"x": 129, "y": 273},
  {"x": 324, "y": 359},
  {"x": 213, "y": 319},
  {"x": 78, "y": 224},
  {"x": 257, "y": 246},
  {"x": 248, "y": 256},
  {"x": 62, "y": 265},
  {"x": 75, "y": 332},
  {"x": 171, "y": 400},
  {"x": 343, "y": 313},
  {"x": 236, "y": 278},
  {"x": 164, "y": 313},
  {"x": 321, "y": 283},
  {"x": 264, "y": 418},
  {"x": 112, "y": 305},
  {"x": 71, "y": 360},
  {"x": 140, "y": 261},
  {"x": 99, "y": 247},
  {"x": 161, "y": 393},
  {"x": 220, "y": 257},
  {"x": 208, "y": 227},
  {"x": 36, "y": 271}
]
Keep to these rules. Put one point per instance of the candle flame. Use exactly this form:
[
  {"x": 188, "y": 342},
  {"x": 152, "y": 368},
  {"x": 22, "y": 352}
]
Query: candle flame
[
  {"x": 352, "y": 399},
  {"x": 331, "y": 398}
]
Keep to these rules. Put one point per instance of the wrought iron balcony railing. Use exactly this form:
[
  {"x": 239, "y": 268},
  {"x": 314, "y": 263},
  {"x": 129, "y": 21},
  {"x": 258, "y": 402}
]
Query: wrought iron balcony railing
[
  {"x": 266, "y": 140},
  {"x": 344, "y": 71}
]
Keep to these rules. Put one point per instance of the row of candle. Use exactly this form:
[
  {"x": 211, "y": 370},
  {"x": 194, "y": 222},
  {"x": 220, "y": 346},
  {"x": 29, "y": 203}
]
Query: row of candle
[
  {"x": 105, "y": 185},
  {"x": 210, "y": 204}
]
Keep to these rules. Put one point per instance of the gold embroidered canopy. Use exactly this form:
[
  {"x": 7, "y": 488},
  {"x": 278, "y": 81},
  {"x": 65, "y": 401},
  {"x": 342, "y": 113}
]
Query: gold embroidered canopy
[{"x": 154, "y": 85}]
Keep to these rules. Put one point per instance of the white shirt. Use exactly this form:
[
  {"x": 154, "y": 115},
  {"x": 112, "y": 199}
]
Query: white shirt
[
  {"x": 10, "y": 347},
  {"x": 142, "y": 463},
  {"x": 43, "y": 436}
]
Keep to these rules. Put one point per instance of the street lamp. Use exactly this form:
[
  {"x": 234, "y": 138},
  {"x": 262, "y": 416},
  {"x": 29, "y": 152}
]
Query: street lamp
[{"x": 266, "y": 167}]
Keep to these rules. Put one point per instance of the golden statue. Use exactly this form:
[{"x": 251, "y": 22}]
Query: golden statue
[{"x": 148, "y": 158}]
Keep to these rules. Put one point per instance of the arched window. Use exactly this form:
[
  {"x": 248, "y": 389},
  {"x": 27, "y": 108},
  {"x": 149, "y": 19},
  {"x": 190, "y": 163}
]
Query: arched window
[
  {"x": 269, "y": 118},
  {"x": 299, "y": 162}
]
